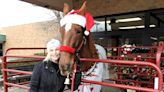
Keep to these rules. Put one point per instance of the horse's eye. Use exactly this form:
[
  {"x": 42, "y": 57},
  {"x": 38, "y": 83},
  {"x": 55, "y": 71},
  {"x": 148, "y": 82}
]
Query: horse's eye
[{"x": 78, "y": 31}]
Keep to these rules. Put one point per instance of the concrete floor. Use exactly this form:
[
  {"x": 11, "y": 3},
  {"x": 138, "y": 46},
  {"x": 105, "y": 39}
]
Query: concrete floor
[
  {"x": 105, "y": 89},
  {"x": 111, "y": 89}
]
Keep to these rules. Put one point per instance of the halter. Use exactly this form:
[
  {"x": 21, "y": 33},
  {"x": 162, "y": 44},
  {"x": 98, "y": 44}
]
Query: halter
[{"x": 67, "y": 49}]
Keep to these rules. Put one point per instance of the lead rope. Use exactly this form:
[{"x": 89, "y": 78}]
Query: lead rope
[{"x": 67, "y": 80}]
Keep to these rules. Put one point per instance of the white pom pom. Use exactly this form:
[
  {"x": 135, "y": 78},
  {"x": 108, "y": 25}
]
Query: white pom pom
[{"x": 86, "y": 32}]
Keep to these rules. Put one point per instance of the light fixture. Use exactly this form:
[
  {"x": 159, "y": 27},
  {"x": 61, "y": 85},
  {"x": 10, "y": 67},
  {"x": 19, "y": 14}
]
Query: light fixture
[
  {"x": 128, "y": 19},
  {"x": 153, "y": 38},
  {"x": 101, "y": 38},
  {"x": 134, "y": 27},
  {"x": 130, "y": 27}
]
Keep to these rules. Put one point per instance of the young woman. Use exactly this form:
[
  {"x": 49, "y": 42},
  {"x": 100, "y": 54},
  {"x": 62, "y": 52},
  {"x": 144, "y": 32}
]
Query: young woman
[{"x": 46, "y": 75}]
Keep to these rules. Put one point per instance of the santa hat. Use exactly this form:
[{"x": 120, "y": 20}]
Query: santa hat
[
  {"x": 53, "y": 44},
  {"x": 74, "y": 18}
]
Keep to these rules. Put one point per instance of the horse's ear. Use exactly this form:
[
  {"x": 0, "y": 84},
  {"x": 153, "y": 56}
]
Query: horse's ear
[
  {"x": 82, "y": 10},
  {"x": 66, "y": 8}
]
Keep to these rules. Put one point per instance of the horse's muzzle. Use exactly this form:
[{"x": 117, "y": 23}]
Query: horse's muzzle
[{"x": 63, "y": 71}]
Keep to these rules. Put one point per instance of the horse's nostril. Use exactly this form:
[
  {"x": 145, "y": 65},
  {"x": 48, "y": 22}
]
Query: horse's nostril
[
  {"x": 62, "y": 68},
  {"x": 68, "y": 66}
]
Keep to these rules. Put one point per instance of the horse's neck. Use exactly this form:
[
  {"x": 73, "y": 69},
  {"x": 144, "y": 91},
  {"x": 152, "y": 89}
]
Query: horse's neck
[{"x": 88, "y": 51}]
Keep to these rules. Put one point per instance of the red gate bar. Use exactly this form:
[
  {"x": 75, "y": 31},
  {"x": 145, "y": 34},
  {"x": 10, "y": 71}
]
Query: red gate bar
[
  {"x": 17, "y": 71},
  {"x": 121, "y": 86},
  {"x": 24, "y": 49},
  {"x": 16, "y": 85}
]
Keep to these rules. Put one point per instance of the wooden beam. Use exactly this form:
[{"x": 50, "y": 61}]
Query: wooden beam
[
  {"x": 103, "y": 7},
  {"x": 52, "y": 4}
]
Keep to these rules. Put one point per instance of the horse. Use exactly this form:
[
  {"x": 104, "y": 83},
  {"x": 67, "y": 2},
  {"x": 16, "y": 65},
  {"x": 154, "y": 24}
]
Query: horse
[{"x": 77, "y": 40}]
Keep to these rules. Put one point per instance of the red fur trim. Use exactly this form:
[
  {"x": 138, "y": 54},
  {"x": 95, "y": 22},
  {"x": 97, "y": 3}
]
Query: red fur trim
[{"x": 67, "y": 49}]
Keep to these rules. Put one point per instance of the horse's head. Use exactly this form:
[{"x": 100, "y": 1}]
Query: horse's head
[{"x": 73, "y": 26}]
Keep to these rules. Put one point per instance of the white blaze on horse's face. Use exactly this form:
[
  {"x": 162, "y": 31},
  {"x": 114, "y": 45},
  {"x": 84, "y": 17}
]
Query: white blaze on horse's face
[{"x": 68, "y": 27}]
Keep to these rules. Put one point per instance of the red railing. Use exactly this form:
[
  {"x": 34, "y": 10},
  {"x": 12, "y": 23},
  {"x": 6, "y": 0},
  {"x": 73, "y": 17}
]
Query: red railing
[
  {"x": 6, "y": 84},
  {"x": 117, "y": 62},
  {"x": 11, "y": 49}
]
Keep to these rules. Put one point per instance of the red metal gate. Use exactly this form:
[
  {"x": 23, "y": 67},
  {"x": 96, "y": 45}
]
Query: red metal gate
[
  {"x": 5, "y": 70},
  {"x": 154, "y": 67}
]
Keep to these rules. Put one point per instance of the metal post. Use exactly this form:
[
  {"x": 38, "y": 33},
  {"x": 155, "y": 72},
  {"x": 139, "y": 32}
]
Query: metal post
[{"x": 4, "y": 74}]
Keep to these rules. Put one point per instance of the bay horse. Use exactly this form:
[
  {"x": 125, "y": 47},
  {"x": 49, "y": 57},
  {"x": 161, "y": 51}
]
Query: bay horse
[{"x": 76, "y": 39}]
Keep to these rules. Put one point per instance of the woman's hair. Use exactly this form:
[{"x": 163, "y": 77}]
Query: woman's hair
[{"x": 51, "y": 44}]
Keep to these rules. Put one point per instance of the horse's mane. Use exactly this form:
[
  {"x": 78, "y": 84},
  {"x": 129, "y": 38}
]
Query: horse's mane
[{"x": 92, "y": 47}]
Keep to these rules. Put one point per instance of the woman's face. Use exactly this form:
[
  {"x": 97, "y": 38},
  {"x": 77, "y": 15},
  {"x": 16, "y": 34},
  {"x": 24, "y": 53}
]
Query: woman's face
[{"x": 54, "y": 54}]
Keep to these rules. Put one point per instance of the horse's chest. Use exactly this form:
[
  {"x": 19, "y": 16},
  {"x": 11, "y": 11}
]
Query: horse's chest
[{"x": 96, "y": 74}]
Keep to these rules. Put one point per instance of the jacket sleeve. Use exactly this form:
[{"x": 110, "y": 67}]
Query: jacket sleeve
[{"x": 35, "y": 78}]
